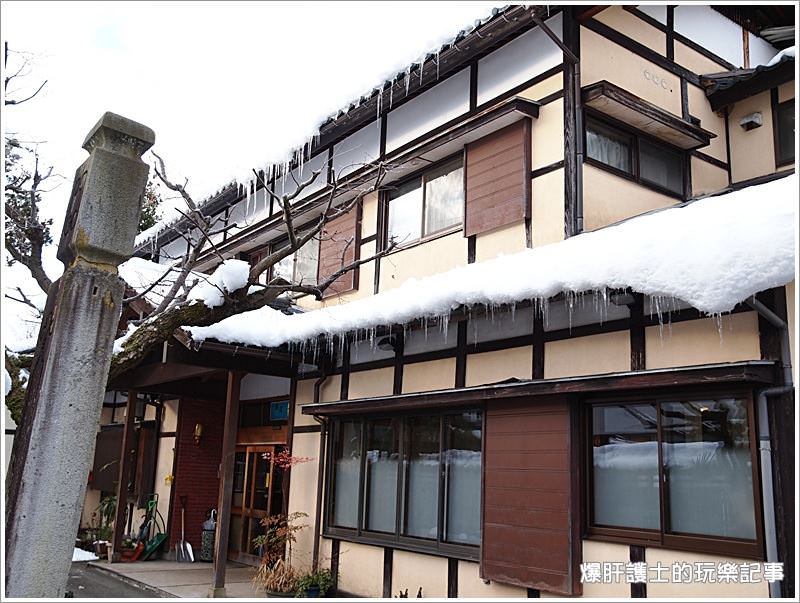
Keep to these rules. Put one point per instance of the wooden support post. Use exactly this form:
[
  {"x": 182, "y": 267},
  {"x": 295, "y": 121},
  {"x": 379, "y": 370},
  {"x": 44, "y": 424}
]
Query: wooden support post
[
  {"x": 217, "y": 588},
  {"x": 124, "y": 475}
]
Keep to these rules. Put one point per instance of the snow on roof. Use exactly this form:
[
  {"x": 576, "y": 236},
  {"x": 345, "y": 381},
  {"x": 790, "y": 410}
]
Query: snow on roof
[
  {"x": 786, "y": 52},
  {"x": 712, "y": 253}
]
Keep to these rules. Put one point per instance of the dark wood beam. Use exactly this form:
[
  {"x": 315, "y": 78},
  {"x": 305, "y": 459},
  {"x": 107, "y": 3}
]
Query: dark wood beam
[
  {"x": 226, "y": 482},
  {"x": 128, "y": 441}
]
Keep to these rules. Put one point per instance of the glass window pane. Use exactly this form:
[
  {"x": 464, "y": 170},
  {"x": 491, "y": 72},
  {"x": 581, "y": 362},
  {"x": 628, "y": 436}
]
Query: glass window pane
[
  {"x": 785, "y": 127},
  {"x": 708, "y": 468},
  {"x": 381, "y": 475},
  {"x": 284, "y": 268},
  {"x": 609, "y": 146},
  {"x": 346, "y": 469},
  {"x": 405, "y": 213},
  {"x": 306, "y": 264},
  {"x": 463, "y": 478},
  {"x": 261, "y": 484},
  {"x": 422, "y": 477},
  {"x": 625, "y": 461},
  {"x": 238, "y": 480},
  {"x": 660, "y": 166},
  {"x": 444, "y": 197}
]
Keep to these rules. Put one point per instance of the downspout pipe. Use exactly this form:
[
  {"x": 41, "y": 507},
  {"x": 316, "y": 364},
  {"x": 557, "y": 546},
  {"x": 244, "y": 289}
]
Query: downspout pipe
[
  {"x": 320, "y": 471},
  {"x": 764, "y": 442}
]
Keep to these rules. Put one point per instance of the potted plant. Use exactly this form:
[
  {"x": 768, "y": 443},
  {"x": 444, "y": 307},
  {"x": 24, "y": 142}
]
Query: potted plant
[
  {"x": 314, "y": 584},
  {"x": 278, "y": 580},
  {"x": 275, "y": 572}
]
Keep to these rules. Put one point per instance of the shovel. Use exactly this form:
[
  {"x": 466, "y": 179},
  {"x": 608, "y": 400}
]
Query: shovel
[{"x": 185, "y": 553}]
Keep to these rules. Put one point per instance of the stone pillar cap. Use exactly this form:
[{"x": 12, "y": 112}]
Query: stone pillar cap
[{"x": 140, "y": 135}]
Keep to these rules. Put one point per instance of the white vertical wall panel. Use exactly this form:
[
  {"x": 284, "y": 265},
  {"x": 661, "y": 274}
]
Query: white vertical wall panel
[
  {"x": 761, "y": 51},
  {"x": 286, "y": 185},
  {"x": 440, "y": 104},
  {"x": 363, "y": 146},
  {"x": 518, "y": 61},
  {"x": 708, "y": 28},
  {"x": 172, "y": 251},
  {"x": 256, "y": 386},
  {"x": 657, "y": 11}
]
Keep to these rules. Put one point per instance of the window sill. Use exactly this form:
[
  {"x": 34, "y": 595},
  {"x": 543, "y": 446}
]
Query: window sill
[
  {"x": 732, "y": 547},
  {"x": 450, "y": 551},
  {"x": 631, "y": 178},
  {"x": 431, "y": 237}
]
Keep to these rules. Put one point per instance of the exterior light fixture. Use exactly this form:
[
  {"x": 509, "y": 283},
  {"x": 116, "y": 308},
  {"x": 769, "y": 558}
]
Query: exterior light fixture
[
  {"x": 198, "y": 433},
  {"x": 752, "y": 121}
]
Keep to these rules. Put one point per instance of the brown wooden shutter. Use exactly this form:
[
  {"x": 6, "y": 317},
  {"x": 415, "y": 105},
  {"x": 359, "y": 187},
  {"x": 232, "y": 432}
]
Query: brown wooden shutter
[
  {"x": 498, "y": 179},
  {"x": 530, "y": 506},
  {"x": 105, "y": 471},
  {"x": 340, "y": 235}
]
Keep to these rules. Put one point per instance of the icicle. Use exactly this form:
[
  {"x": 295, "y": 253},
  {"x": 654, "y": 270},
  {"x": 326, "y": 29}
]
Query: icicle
[
  {"x": 391, "y": 94},
  {"x": 421, "y": 70},
  {"x": 438, "y": 52},
  {"x": 408, "y": 78}
]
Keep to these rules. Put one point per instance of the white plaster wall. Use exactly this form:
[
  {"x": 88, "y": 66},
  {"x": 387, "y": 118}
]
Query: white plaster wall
[
  {"x": 413, "y": 571},
  {"x": 363, "y": 146},
  {"x": 263, "y": 386},
  {"x": 361, "y": 569},
  {"x": 708, "y": 28}
]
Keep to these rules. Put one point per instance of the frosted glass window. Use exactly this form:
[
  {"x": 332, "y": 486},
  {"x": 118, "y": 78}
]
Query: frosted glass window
[
  {"x": 609, "y": 146},
  {"x": 380, "y": 482},
  {"x": 346, "y": 470},
  {"x": 305, "y": 266},
  {"x": 284, "y": 268},
  {"x": 422, "y": 477},
  {"x": 463, "y": 478},
  {"x": 444, "y": 197},
  {"x": 405, "y": 213},
  {"x": 660, "y": 166},
  {"x": 708, "y": 470},
  {"x": 625, "y": 462}
]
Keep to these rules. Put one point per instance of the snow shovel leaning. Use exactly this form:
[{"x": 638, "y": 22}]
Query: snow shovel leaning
[{"x": 185, "y": 553}]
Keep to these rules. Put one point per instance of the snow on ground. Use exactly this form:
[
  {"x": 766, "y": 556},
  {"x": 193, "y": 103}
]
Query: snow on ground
[
  {"x": 81, "y": 555},
  {"x": 712, "y": 253}
]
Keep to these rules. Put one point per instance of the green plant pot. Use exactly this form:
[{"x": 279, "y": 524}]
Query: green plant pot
[{"x": 312, "y": 592}]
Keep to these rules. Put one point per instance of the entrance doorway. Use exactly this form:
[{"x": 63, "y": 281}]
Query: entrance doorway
[{"x": 257, "y": 493}]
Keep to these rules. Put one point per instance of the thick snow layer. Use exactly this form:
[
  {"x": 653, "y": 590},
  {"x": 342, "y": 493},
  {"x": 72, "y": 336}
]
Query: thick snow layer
[
  {"x": 6, "y": 381},
  {"x": 786, "y": 52},
  {"x": 81, "y": 555},
  {"x": 712, "y": 253},
  {"x": 140, "y": 273},
  {"x": 19, "y": 346},
  {"x": 229, "y": 276}
]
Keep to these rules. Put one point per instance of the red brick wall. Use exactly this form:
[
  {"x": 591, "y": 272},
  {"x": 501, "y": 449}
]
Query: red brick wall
[{"x": 196, "y": 467}]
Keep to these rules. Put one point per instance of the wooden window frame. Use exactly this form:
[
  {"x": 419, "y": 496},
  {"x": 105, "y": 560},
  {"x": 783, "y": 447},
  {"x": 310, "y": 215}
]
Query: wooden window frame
[
  {"x": 662, "y": 538},
  {"x": 776, "y": 108},
  {"x": 635, "y": 136},
  {"x": 439, "y": 546},
  {"x": 420, "y": 176}
]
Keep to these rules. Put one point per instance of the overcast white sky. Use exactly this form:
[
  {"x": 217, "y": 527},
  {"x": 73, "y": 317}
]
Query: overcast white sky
[{"x": 225, "y": 85}]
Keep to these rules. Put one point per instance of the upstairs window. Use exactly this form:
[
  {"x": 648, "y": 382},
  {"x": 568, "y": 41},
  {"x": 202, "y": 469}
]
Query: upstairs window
[
  {"x": 299, "y": 267},
  {"x": 633, "y": 156},
  {"x": 428, "y": 204},
  {"x": 784, "y": 133}
]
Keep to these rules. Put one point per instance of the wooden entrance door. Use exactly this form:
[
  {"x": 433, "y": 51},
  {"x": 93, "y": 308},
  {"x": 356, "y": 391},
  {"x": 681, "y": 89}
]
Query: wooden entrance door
[{"x": 257, "y": 493}]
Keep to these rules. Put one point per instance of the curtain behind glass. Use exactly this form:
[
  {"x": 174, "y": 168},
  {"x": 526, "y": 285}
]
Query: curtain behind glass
[
  {"x": 708, "y": 468},
  {"x": 346, "y": 468},
  {"x": 381, "y": 475},
  {"x": 422, "y": 477},
  {"x": 609, "y": 147},
  {"x": 444, "y": 197},
  {"x": 306, "y": 263},
  {"x": 625, "y": 459},
  {"x": 463, "y": 478}
]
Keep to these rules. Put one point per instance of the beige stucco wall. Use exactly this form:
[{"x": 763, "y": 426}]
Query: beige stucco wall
[
  {"x": 303, "y": 493},
  {"x": 753, "y": 152},
  {"x": 790, "y": 300},
  {"x": 500, "y": 241},
  {"x": 164, "y": 462},
  {"x": 304, "y": 394},
  {"x": 547, "y": 135},
  {"x": 413, "y": 570},
  {"x": 786, "y": 91},
  {"x": 433, "y": 257},
  {"x": 666, "y": 557},
  {"x": 369, "y": 216},
  {"x": 90, "y": 502},
  {"x": 547, "y": 211},
  {"x": 606, "y": 552},
  {"x": 543, "y": 88},
  {"x": 700, "y": 107},
  {"x": 700, "y": 341},
  {"x": 491, "y": 367},
  {"x": 169, "y": 416},
  {"x": 331, "y": 389},
  {"x": 694, "y": 61},
  {"x": 633, "y": 27},
  {"x": 470, "y": 584},
  {"x": 590, "y": 355},
  {"x": 361, "y": 569},
  {"x": 707, "y": 178},
  {"x": 602, "y": 59},
  {"x": 368, "y": 384},
  {"x": 608, "y": 198},
  {"x": 429, "y": 376}
]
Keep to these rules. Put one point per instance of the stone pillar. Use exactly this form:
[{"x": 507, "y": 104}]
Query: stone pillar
[{"x": 54, "y": 447}]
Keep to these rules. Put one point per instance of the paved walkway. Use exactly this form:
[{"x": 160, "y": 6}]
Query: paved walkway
[
  {"x": 90, "y": 583},
  {"x": 186, "y": 580}
]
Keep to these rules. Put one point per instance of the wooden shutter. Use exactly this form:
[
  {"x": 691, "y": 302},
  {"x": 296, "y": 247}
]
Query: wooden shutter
[
  {"x": 498, "y": 179},
  {"x": 105, "y": 471},
  {"x": 530, "y": 507},
  {"x": 341, "y": 235}
]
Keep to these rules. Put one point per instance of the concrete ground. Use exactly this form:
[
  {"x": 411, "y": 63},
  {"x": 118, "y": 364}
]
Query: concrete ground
[
  {"x": 91, "y": 583},
  {"x": 186, "y": 580}
]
